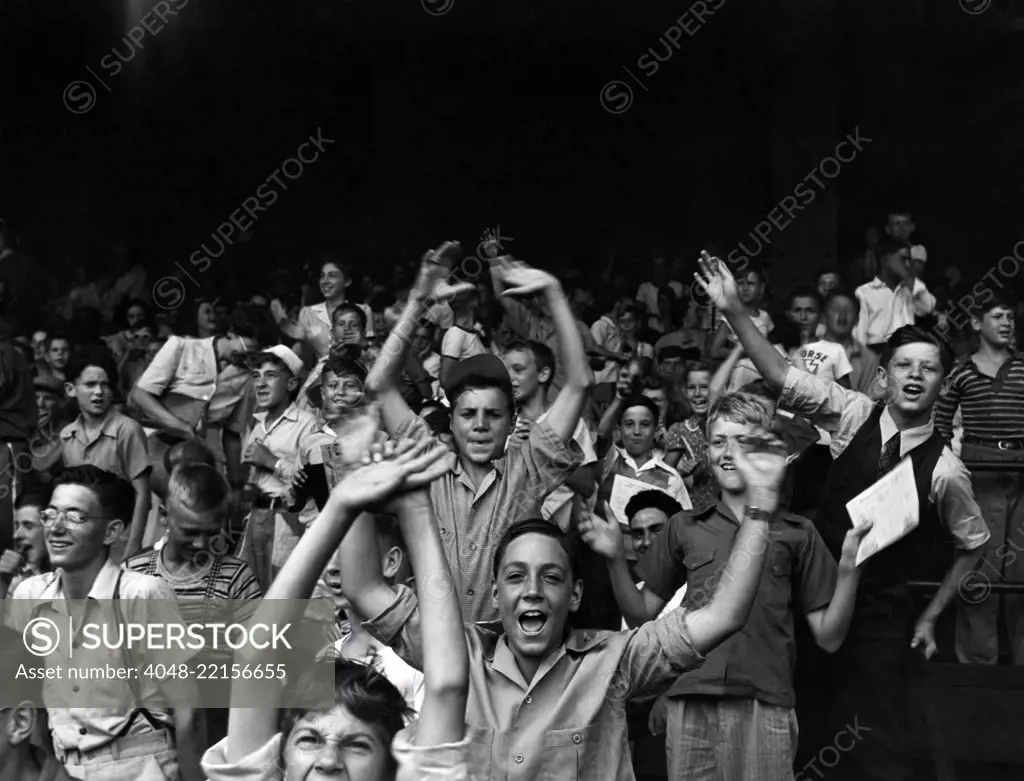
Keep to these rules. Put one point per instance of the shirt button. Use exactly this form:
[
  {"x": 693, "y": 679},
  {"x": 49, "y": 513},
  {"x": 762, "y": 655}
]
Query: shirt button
[
  {"x": 519, "y": 758},
  {"x": 472, "y": 546},
  {"x": 576, "y": 739},
  {"x": 444, "y": 531},
  {"x": 470, "y": 592},
  {"x": 83, "y": 731},
  {"x": 529, "y": 700}
]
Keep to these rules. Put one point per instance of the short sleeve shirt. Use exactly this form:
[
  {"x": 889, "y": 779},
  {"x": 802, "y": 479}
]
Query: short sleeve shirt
[
  {"x": 458, "y": 343},
  {"x": 119, "y": 446},
  {"x": 800, "y": 575}
]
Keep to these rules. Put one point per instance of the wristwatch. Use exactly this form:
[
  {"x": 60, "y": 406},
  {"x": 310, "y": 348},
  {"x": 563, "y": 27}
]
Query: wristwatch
[{"x": 756, "y": 514}]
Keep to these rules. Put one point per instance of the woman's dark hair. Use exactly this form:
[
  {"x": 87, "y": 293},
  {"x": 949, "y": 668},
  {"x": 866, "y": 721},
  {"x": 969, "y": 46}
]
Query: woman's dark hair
[
  {"x": 364, "y": 693},
  {"x": 121, "y": 315},
  {"x": 189, "y": 314}
]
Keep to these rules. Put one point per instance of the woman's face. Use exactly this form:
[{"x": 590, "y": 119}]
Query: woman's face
[
  {"x": 332, "y": 281},
  {"x": 336, "y": 744},
  {"x": 348, "y": 329},
  {"x": 206, "y": 318},
  {"x": 136, "y": 316}
]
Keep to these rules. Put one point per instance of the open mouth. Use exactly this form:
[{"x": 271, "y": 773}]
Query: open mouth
[
  {"x": 1004, "y": 334},
  {"x": 913, "y": 391},
  {"x": 532, "y": 622},
  {"x": 56, "y": 545},
  {"x": 726, "y": 466}
]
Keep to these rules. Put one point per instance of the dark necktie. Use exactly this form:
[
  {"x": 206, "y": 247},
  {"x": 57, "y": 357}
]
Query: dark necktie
[{"x": 890, "y": 456}]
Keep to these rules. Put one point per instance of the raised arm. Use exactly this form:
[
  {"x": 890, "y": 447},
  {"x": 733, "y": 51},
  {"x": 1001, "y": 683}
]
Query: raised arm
[
  {"x": 405, "y": 467},
  {"x": 384, "y": 379},
  {"x": 603, "y": 535},
  {"x": 445, "y": 655},
  {"x": 520, "y": 279},
  {"x": 717, "y": 281},
  {"x": 763, "y": 469},
  {"x": 720, "y": 381}
]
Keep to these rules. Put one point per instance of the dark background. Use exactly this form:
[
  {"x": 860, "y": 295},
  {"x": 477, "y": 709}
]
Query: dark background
[{"x": 490, "y": 114}]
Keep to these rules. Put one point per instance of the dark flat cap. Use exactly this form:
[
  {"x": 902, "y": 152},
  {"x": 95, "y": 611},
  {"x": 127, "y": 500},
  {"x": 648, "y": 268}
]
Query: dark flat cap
[{"x": 486, "y": 366}]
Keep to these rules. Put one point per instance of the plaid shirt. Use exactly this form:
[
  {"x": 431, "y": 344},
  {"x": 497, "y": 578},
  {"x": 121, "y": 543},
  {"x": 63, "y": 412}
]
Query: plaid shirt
[{"x": 473, "y": 519}]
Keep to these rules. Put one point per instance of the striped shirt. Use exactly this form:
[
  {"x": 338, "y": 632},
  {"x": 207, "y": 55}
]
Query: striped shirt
[
  {"x": 202, "y": 594},
  {"x": 992, "y": 407}
]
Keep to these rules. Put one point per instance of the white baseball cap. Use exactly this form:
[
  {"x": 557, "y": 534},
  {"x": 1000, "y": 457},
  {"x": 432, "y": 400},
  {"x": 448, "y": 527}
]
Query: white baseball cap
[
  {"x": 287, "y": 356},
  {"x": 918, "y": 252}
]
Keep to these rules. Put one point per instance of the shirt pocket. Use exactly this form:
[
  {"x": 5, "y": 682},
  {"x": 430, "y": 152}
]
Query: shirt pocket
[
  {"x": 564, "y": 751},
  {"x": 701, "y": 578},
  {"x": 779, "y": 561}
]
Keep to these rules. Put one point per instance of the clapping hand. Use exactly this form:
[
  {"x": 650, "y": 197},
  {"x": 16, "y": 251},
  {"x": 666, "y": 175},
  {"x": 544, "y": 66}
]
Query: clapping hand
[
  {"x": 602, "y": 533},
  {"x": 520, "y": 279},
  {"x": 10, "y": 563},
  {"x": 717, "y": 281},
  {"x": 761, "y": 460},
  {"x": 433, "y": 280},
  {"x": 390, "y": 468}
]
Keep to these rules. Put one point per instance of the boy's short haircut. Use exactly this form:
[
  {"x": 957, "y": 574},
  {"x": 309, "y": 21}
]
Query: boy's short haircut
[
  {"x": 115, "y": 495},
  {"x": 345, "y": 363},
  {"x": 997, "y": 299},
  {"x": 348, "y": 306},
  {"x": 890, "y": 245},
  {"x": 57, "y": 336},
  {"x": 840, "y": 292},
  {"x": 742, "y": 408},
  {"x": 91, "y": 355},
  {"x": 190, "y": 451},
  {"x": 475, "y": 381},
  {"x": 258, "y": 360},
  {"x": 697, "y": 366},
  {"x": 389, "y": 534},
  {"x": 360, "y": 690},
  {"x": 543, "y": 356},
  {"x": 36, "y": 496},
  {"x": 199, "y": 487},
  {"x": 911, "y": 334},
  {"x": 637, "y": 401},
  {"x": 804, "y": 292},
  {"x": 671, "y": 351},
  {"x": 569, "y": 543},
  {"x": 653, "y": 498}
]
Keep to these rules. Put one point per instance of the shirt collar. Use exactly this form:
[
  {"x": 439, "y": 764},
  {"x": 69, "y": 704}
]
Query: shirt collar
[
  {"x": 291, "y": 413},
  {"x": 654, "y": 462},
  {"x": 78, "y": 427},
  {"x": 102, "y": 587},
  {"x": 910, "y": 438}
]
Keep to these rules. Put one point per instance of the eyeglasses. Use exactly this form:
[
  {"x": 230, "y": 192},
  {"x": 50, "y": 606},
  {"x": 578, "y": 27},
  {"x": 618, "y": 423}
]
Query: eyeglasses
[{"x": 50, "y": 516}]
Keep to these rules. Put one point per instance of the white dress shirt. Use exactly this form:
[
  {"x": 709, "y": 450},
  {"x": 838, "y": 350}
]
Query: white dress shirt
[{"x": 883, "y": 310}]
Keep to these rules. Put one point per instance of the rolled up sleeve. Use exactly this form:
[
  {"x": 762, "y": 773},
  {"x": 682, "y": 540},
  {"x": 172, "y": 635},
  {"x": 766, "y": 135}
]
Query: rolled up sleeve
[
  {"x": 160, "y": 373},
  {"x": 398, "y": 626},
  {"x": 657, "y": 653},
  {"x": 953, "y": 495},
  {"x": 446, "y": 762},
  {"x": 835, "y": 409},
  {"x": 544, "y": 459},
  {"x": 413, "y": 427}
]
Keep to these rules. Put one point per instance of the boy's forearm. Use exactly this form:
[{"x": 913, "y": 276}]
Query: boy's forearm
[
  {"x": 232, "y": 443},
  {"x": 965, "y": 562},
  {"x": 839, "y": 613},
  {"x": 736, "y": 589},
  {"x": 361, "y": 573},
  {"x": 576, "y": 365},
  {"x": 388, "y": 367},
  {"x": 768, "y": 361},
  {"x": 627, "y": 596}
]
